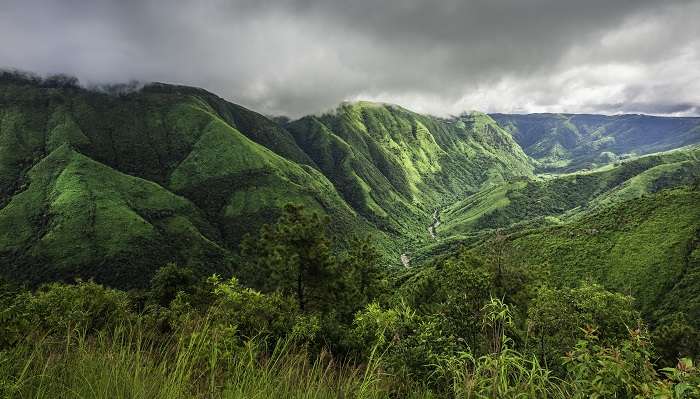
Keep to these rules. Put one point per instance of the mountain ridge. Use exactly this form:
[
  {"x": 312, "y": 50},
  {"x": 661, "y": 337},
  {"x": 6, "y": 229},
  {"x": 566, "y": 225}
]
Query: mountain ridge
[{"x": 235, "y": 166}]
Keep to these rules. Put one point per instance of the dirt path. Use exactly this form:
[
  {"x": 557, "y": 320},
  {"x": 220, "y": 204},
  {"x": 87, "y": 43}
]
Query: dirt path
[
  {"x": 405, "y": 260},
  {"x": 435, "y": 224}
]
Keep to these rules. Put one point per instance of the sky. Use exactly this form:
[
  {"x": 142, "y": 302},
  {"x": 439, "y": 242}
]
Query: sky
[{"x": 443, "y": 57}]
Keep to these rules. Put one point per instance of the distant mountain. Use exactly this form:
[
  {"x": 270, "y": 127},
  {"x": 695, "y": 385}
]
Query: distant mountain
[{"x": 568, "y": 142}]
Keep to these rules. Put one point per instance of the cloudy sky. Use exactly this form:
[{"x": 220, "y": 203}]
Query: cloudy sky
[{"x": 443, "y": 57}]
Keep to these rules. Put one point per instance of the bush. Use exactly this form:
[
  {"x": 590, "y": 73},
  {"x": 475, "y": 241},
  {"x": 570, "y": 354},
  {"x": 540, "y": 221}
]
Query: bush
[
  {"x": 171, "y": 279},
  {"x": 556, "y": 317},
  {"x": 602, "y": 371},
  {"x": 82, "y": 307},
  {"x": 14, "y": 317},
  {"x": 251, "y": 314}
]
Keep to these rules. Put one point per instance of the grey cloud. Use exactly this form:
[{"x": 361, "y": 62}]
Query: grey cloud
[
  {"x": 650, "y": 108},
  {"x": 301, "y": 56}
]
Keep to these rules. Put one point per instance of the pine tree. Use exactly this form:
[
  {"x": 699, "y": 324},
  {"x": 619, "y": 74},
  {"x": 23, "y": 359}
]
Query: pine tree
[{"x": 293, "y": 256}]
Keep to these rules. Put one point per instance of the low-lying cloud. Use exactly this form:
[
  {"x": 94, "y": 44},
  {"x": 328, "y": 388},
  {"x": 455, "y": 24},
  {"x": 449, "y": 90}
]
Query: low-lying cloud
[{"x": 442, "y": 57}]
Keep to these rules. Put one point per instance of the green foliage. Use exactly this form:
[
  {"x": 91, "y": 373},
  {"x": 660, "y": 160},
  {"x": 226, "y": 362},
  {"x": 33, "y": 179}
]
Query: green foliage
[
  {"x": 13, "y": 314},
  {"x": 674, "y": 338},
  {"x": 85, "y": 306},
  {"x": 458, "y": 290},
  {"x": 251, "y": 314},
  {"x": 248, "y": 343},
  {"x": 600, "y": 371},
  {"x": 640, "y": 247},
  {"x": 362, "y": 274},
  {"x": 409, "y": 342},
  {"x": 555, "y": 317},
  {"x": 168, "y": 281},
  {"x": 68, "y": 310},
  {"x": 128, "y": 364},
  {"x": 294, "y": 257},
  {"x": 503, "y": 372},
  {"x": 682, "y": 381}
]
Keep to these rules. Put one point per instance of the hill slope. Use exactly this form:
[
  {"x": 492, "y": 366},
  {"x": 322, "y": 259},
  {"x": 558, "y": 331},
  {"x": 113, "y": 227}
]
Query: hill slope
[
  {"x": 544, "y": 200},
  {"x": 94, "y": 153},
  {"x": 92, "y": 180},
  {"x": 115, "y": 184},
  {"x": 391, "y": 164},
  {"x": 78, "y": 217},
  {"x": 647, "y": 247}
]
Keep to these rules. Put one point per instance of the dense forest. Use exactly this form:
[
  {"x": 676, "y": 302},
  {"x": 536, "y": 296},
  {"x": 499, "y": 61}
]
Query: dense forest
[{"x": 159, "y": 241}]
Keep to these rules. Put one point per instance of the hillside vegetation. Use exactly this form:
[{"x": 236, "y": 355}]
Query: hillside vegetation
[
  {"x": 148, "y": 172},
  {"x": 554, "y": 199},
  {"x": 646, "y": 247},
  {"x": 392, "y": 164},
  {"x": 333, "y": 325},
  {"x": 89, "y": 180}
]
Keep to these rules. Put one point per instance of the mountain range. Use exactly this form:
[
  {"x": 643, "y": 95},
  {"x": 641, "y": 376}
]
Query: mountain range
[{"x": 113, "y": 184}]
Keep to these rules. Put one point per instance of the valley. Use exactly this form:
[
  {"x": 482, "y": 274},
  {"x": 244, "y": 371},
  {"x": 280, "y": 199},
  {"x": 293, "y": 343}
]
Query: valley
[{"x": 416, "y": 183}]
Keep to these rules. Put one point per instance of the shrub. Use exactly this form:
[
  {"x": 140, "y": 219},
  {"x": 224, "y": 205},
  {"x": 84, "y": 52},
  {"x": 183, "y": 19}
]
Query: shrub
[
  {"x": 82, "y": 307},
  {"x": 556, "y": 316},
  {"x": 251, "y": 313}
]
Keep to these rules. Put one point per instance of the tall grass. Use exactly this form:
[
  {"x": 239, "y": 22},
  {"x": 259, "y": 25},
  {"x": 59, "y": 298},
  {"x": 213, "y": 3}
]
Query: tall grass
[
  {"x": 200, "y": 361},
  {"x": 128, "y": 363}
]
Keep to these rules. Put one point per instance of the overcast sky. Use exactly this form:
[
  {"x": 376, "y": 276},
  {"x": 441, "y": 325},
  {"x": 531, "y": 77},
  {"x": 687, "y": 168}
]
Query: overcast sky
[{"x": 443, "y": 57}]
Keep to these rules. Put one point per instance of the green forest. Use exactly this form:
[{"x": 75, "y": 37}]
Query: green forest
[{"x": 162, "y": 242}]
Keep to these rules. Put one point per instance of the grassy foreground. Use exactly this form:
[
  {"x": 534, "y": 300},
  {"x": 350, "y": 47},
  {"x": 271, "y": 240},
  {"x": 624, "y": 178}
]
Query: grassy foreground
[
  {"x": 127, "y": 364},
  {"x": 304, "y": 322},
  {"x": 202, "y": 361}
]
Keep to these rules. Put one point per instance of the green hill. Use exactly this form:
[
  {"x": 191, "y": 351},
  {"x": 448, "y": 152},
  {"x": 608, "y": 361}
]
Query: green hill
[
  {"x": 78, "y": 217},
  {"x": 549, "y": 199},
  {"x": 392, "y": 164},
  {"x": 113, "y": 183},
  {"x": 648, "y": 247},
  {"x": 568, "y": 142},
  {"x": 103, "y": 185},
  {"x": 171, "y": 173}
]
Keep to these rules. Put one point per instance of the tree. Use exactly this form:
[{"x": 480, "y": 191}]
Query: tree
[
  {"x": 168, "y": 281},
  {"x": 456, "y": 289},
  {"x": 508, "y": 280},
  {"x": 557, "y": 316},
  {"x": 360, "y": 265},
  {"x": 293, "y": 256},
  {"x": 675, "y": 338},
  {"x": 499, "y": 253}
]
